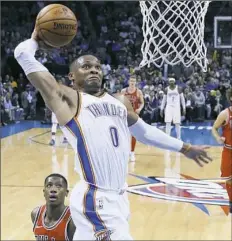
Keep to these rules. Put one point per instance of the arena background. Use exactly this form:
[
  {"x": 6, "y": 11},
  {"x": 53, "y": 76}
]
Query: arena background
[{"x": 112, "y": 32}]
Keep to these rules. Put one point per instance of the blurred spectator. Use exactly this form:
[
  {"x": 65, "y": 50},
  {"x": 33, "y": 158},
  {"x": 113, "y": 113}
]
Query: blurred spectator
[
  {"x": 199, "y": 103},
  {"x": 113, "y": 32},
  {"x": 8, "y": 107}
]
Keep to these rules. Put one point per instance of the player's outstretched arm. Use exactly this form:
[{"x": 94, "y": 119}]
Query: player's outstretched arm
[
  {"x": 152, "y": 136},
  {"x": 57, "y": 97}
]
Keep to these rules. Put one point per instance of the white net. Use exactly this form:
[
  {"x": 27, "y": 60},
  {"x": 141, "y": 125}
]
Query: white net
[{"x": 173, "y": 33}]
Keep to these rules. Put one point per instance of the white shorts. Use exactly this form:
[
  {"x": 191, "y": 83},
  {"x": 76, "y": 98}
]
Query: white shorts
[
  {"x": 54, "y": 119},
  {"x": 172, "y": 114},
  {"x": 98, "y": 214}
]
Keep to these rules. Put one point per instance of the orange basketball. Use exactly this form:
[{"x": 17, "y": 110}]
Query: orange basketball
[{"x": 56, "y": 25}]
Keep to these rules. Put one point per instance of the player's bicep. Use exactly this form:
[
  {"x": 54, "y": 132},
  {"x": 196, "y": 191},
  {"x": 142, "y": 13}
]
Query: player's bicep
[{"x": 45, "y": 83}]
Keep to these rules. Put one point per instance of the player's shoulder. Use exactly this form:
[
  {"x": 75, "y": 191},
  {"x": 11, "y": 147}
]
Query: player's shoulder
[
  {"x": 68, "y": 211},
  {"x": 35, "y": 212},
  {"x": 123, "y": 90},
  {"x": 225, "y": 111},
  {"x": 223, "y": 114}
]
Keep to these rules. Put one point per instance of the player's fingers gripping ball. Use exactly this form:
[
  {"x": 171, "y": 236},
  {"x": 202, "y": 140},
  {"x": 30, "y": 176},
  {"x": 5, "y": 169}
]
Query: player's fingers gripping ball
[{"x": 56, "y": 25}]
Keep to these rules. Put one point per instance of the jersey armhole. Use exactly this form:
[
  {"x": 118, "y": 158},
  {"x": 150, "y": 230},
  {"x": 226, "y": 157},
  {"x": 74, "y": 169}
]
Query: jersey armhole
[
  {"x": 36, "y": 218},
  {"x": 79, "y": 104},
  {"x": 66, "y": 229}
]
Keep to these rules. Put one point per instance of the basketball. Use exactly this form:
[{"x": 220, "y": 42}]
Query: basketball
[{"x": 56, "y": 25}]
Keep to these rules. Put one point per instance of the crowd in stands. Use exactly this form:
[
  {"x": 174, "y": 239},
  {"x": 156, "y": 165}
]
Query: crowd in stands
[{"x": 112, "y": 32}]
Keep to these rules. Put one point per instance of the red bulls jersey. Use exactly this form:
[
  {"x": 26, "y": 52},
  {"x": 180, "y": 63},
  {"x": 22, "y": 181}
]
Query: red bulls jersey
[
  {"x": 58, "y": 231},
  {"x": 133, "y": 98},
  {"x": 227, "y": 130}
]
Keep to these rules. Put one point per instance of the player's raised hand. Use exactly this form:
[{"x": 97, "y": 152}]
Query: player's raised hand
[
  {"x": 41, "y": 43},
  {"x": 198, "y": 154}
]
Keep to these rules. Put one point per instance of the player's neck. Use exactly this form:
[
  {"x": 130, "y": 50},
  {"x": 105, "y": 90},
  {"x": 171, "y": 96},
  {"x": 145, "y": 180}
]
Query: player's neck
[
  {"x": 131, "y": 89},
  {"x": 98, "y": 93},
  {"x": 54, "y": 212},
  {"x": 172, "y": 87}
]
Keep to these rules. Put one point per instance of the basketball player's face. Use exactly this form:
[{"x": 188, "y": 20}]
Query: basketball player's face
[
  {"x": 55, "y": 191},
  {"x": 88, "y": 74},
  {"x": 172, "y": 83},
  {"x": 132, "y": 83}
]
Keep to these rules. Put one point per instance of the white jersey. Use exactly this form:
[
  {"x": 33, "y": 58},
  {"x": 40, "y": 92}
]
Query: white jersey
[
  {"x": 173, "y": 97},
  {"x": 100, "y": 136}
]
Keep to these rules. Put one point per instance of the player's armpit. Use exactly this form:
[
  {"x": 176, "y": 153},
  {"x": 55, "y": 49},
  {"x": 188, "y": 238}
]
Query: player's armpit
[
  {"x": 71, "y": 230},
  {"x": 132, "y": 117}
]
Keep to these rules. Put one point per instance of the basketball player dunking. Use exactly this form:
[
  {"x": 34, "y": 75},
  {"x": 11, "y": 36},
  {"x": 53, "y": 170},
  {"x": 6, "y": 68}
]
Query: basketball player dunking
[
  {"x": 53, "y": 221},
  {"x": 135, "y": 97},
  {"x": 173, "y": 99},
  {"x": 98, "y": 126},
  {"x": 224, "y": 121}
]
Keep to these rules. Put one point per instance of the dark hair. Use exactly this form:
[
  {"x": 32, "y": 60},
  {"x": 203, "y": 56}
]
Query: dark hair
[{"x": 57, "y": 175}]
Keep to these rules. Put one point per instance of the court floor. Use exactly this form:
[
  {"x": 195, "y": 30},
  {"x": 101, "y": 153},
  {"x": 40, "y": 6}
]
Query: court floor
[{"x": 170, "y": 196}]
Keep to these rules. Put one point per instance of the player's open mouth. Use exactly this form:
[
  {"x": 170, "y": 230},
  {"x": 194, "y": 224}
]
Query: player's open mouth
[{"x": 52, "y": 198}]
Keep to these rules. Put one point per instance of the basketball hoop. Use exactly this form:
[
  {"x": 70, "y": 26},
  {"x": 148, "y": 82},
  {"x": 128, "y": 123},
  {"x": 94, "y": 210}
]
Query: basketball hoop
[{"x": 173, "y": 33}]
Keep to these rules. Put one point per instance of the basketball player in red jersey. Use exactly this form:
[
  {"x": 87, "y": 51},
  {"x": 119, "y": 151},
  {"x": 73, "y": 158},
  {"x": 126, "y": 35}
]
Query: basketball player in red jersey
[
  {"x": 52, "y": 221},
  {"x": 224, "y": 120},
  {"x": 135, "y": 97}
]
